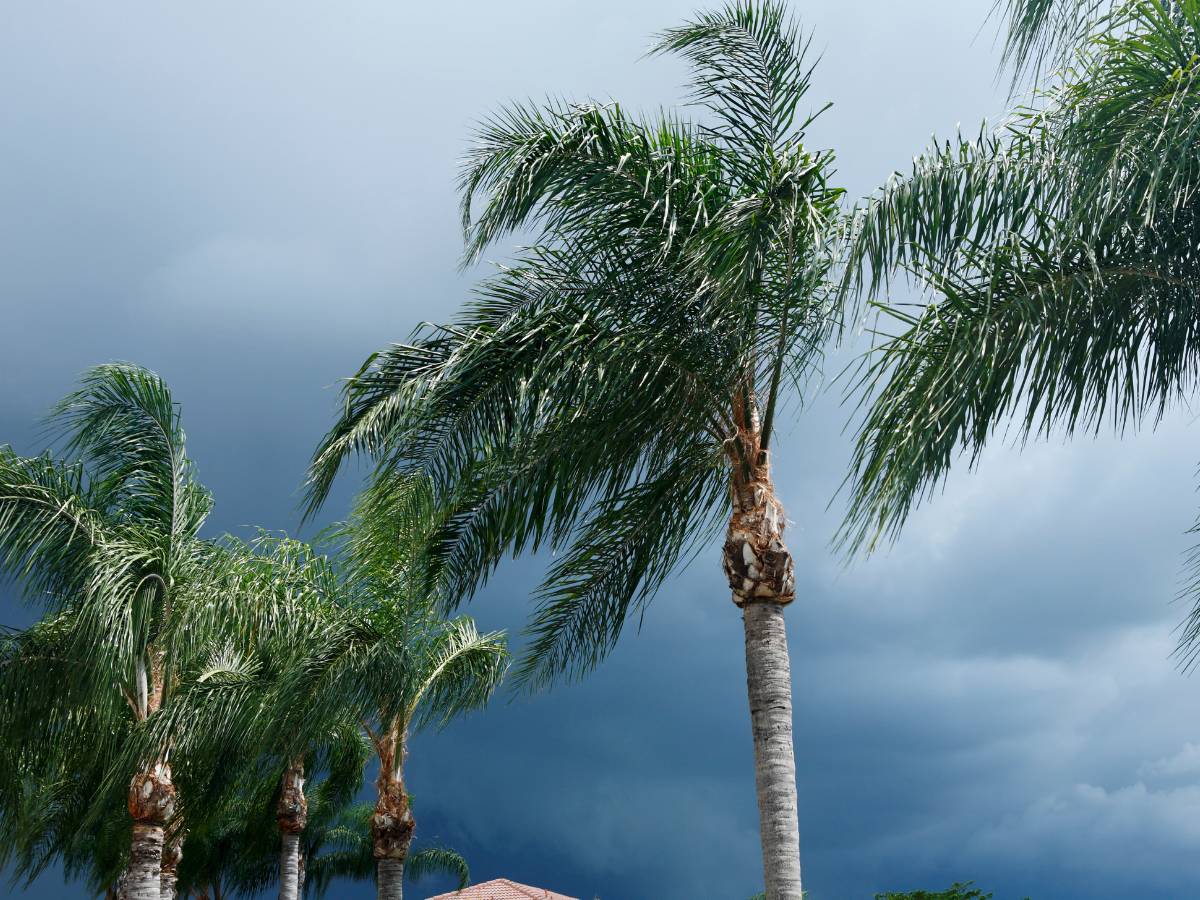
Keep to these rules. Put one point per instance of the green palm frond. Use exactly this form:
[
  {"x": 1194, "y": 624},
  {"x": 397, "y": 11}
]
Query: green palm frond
[
  {"x": 749, "y": 71},
  {"x": 50, "y": 524},
  {"x": 438, "y": 861},
  {"x": 679, "y": 271},
  {"x": 565, "y": 162},
  {"x": 627, "y": 548},
  {"x": 1062, "y": 253},
  {"x": 1044, "y": 32},
  {"x": 1083, "y": 336},
  {"x": 123, "y": 424}
]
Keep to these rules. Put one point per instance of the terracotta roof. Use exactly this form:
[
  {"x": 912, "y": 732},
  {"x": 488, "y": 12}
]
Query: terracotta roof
[{"x": 502, "y": 889}]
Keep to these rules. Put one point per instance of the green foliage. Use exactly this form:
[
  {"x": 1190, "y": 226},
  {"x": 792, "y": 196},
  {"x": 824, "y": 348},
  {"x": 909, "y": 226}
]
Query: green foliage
[
  {"x": 584, "y": 402},
  {"x": 956, "y": 891},
  {"x": 103, "y": 534},
  {"x": 267, "y": 653},
  {"x": 1060, "y": 253}
]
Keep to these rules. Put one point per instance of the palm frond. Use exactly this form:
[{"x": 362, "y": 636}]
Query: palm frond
[
  {"x": 438, "y": 861},
  {"x": 749, "y": 71}
]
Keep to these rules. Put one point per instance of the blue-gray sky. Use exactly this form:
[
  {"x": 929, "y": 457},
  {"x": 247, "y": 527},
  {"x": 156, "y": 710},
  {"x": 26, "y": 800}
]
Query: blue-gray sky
[{"x": 249, "y": 198}]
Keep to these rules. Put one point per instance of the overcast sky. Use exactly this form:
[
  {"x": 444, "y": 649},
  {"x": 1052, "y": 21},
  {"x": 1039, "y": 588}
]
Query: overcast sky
[{"x": 251, "y": 197}]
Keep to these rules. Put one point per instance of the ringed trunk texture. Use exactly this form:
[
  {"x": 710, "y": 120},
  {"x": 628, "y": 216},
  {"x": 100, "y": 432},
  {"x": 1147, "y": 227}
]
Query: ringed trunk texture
[
  {"x": 291, "y": 815},
  {"x": 389, "y": 879},
  {"x": 769, "y": 685},
  {"x": 759, "y": 568},
  {"x": 151, "y": 803}
]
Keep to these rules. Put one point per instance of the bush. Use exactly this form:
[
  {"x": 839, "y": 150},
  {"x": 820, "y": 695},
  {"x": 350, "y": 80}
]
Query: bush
[{"x": 957, "y": 891}]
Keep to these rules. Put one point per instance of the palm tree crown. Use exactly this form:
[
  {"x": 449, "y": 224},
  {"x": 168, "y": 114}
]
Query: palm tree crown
[
  {"x": 1060, "y": 250},
  {"x": 599, "y": 391}
]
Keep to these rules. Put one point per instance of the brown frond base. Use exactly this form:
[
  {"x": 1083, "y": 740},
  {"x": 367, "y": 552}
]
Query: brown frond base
[
  {"x": 392, "y": 825},
  {"x": 757, "y": 563},
  {"x": 152, "y": 796},
  {"x": 291, "y": 814}
]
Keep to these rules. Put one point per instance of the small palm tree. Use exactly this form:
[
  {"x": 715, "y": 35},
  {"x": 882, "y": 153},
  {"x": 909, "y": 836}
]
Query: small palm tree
[
  {"x": 1061, "y": 253},
  {"x": 388, "y": 659},
  {"x": 344, "y": 848},
  {"x": 615, "y": 393},
  {"x": 106, "y": 538}
]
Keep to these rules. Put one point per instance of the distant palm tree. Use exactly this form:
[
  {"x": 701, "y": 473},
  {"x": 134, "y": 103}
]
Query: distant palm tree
[
  {"x": 387, "y": 658},
  {"x": 614, "y": 394},
  {"x": 1061, "y": 253},
  {"x": 106, "y": 538}
]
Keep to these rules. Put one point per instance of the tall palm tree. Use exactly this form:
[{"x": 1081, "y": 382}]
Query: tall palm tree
[
  {"x": 614, "y": 393},
  {"x": 1060, "y": 252},
  {"x": 105, "y": 536}
]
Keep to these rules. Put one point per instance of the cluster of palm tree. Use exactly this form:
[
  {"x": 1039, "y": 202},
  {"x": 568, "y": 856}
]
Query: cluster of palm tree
[
  {"x": 612, "y": 394},
  {"x": 179, "y": 691}
]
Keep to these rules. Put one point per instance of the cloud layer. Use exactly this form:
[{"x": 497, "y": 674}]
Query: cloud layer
[{"x": 250, "y": 198}]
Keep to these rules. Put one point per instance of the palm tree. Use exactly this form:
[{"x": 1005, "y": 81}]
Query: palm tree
[
  {"x": 49, "y": 785},
  {"x": 387, "y": 658},
  {"x": 343, "y": 847},
  {"x": 106, "y": 538},
  {"x": 614, "y": 393},
  {"x": 273, "y": 620},
  {"x": 1060, "y": 252}
]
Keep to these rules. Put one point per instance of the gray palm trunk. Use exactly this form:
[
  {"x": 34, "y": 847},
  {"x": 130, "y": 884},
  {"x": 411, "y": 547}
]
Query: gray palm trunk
[
  {"x": 143, "y": 878},
  {"x": 289, "y": 866},
  {"x": 759, "y": 569},
  {"x": 769, "y": 684},
  {"x": 389, "y": 879}
]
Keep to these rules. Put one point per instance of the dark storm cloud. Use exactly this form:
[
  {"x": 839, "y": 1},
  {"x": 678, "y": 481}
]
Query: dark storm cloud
[{"x": 251, "y": 197}]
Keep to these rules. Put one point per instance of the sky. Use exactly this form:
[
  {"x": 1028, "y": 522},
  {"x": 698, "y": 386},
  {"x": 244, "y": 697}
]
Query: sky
[{"x": 250, "y": 198}]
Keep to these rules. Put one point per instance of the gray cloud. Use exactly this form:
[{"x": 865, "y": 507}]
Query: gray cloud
[{"x": 250, "y": 198}]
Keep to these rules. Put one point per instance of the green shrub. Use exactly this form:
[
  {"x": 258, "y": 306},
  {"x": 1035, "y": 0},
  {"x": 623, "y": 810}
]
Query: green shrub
[{"x": 956, "y": 891}]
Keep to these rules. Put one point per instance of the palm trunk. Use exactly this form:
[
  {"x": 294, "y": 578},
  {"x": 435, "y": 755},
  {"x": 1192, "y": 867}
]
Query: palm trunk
[
  {"x": 145, "y": 863},
  {"x": 769, "y": 684},
  {"x": 389, "y": 879},
  {"x": 392, "y": 824},
  {"x": 760, "y": 573},
  {"x": 291, "y": 815},
  {"x": 172, "y": 854},
  {"x": 289, "y": 866},
  {"x": 151, "y": 802}
]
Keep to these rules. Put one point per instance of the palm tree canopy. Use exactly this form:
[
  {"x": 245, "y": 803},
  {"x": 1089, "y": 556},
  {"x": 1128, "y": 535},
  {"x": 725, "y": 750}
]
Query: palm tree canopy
[
  {"x": 379, "y": 650},
  {"x": 1061, "y": 252},
  {"x": 103, "y": 534},
  {"x": 591, "y": 397},
  {"x": 109, "y": 530}
]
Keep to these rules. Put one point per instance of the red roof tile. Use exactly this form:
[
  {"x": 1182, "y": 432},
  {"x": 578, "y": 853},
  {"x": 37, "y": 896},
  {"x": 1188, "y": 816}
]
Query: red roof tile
[{"x": 502, "y": 889}]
